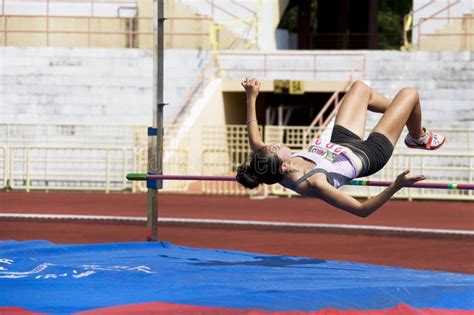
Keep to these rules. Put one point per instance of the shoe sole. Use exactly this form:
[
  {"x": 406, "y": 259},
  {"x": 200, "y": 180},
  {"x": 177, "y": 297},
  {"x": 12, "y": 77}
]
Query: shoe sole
[{"x": 421, "y": 147}]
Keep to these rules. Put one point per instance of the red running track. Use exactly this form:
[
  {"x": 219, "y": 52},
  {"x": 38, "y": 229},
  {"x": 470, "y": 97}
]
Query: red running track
[{"x": 435, "y": 252}]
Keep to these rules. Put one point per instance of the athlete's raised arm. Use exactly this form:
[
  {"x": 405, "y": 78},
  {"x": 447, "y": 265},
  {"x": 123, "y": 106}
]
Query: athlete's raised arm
[{"x": 252, "y": 87}]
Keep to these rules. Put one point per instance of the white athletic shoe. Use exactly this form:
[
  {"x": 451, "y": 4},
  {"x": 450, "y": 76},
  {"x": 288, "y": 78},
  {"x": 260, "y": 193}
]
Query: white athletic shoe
[{"x": 429, "y": 141}]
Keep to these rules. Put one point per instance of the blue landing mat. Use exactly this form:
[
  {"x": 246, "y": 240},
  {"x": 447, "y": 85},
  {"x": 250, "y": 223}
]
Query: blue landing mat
[{"x": 45, "y": 277}]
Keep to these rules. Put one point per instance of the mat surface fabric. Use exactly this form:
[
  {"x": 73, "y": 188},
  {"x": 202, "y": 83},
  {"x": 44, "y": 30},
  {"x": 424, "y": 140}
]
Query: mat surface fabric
[{"x": 133, "y": 278}]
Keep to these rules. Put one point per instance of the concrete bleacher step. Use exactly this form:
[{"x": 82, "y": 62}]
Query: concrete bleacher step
[
  {"x": 453, "y": 26},
  {"x": 236, "y": 23},
  {"x": 444, "y": 81},
  {"x": 103, "y": 86},
  {"x": 446, "y": 94},
  {"x": 448, "y": 105}
]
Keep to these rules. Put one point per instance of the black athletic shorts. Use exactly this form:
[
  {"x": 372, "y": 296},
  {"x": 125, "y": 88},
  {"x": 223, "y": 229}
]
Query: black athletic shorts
[{"x": 373, "y": 152}]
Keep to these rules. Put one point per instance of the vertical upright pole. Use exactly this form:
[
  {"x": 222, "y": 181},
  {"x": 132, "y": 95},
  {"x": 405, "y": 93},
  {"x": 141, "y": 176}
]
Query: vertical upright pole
[
  {"x": 155, "y": 134},
  {"x": 159, "y": 92},
  {"x": 5, "y": 32},
  {"x": 47, "y": 23},
  {"x": 89, "y": 28}
]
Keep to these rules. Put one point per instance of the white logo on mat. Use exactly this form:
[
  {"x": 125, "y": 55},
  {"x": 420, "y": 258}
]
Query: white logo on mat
[{"x": 54, "y": 271}]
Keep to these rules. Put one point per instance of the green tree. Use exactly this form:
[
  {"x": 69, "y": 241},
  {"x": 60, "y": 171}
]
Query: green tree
[
  {"x": 289, "y": 21},
  {"x": 390, "y": 22},
  {"x": 389, "y": 18}
]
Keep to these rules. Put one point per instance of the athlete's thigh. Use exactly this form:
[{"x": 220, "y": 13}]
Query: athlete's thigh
[
  {"x": 353, "y": 110},
  {"x": 395, "y": 117}
]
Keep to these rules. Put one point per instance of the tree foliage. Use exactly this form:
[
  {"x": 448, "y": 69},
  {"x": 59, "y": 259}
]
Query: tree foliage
[
  {"x": 389, "y": 18},
  {"x": 390, "y": 22},
  {"x": 289, "y": 20}
]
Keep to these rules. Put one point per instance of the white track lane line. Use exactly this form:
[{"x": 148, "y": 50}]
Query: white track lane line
[{"x": 240, "y": 223}]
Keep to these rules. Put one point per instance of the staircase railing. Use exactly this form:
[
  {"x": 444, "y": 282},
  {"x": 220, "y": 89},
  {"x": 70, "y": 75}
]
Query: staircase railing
[
  {"x": 207, "y": 73},
  {"x": 409, "y": 18},
  {"x": 234, "y": 22},
  {"x": 320, "y": 122},
  {"x": 214, "y": 6}
]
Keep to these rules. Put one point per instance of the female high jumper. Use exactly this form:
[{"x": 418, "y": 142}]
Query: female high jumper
[{"x": 326, "y": 166}]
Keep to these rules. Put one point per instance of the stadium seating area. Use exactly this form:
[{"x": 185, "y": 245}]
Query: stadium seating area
[{"x": 75, "y": 98}]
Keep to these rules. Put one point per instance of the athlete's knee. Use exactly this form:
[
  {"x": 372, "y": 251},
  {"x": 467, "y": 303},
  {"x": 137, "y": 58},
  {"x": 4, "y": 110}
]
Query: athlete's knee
[
  {"x": 411, "y": 93},
  {"x": 359, "y": 85}
]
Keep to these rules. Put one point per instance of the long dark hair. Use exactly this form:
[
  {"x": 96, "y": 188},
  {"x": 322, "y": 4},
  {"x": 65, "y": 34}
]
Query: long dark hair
[{"x": 262, "y": 167}]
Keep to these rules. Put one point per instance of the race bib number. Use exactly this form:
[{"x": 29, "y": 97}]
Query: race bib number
[{"x": 327, "y": 150}]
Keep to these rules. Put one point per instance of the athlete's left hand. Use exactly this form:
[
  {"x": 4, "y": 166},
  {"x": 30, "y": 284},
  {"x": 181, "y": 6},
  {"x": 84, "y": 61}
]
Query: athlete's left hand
[
  {"x": 251, "y": 86},
  {"x": 404, "y": 180}
]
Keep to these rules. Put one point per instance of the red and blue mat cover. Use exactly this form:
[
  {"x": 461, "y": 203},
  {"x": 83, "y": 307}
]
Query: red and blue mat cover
[{"x": 160, "y": 278}]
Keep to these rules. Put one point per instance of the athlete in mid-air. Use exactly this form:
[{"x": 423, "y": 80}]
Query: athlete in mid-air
[{"x": 326, "y": 166}]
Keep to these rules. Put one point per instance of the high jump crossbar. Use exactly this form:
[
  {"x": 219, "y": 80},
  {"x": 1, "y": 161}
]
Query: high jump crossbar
[{"x": 356, "y": 182}]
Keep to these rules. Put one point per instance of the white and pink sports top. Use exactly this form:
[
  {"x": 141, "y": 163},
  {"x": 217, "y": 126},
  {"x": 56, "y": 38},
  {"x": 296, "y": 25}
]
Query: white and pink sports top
[{"x": 332, "y": 160}]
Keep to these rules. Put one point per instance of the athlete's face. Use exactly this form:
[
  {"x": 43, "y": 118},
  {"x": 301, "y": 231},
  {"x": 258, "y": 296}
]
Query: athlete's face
[{"x": 282, "y": 151}]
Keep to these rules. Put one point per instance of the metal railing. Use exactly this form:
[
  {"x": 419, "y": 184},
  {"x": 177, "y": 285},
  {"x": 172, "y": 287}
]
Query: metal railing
[
  {"x": 232, "y": 22},
  {"x": 322, "y": 120},
  {"x": 76, "y": 135},
  {"x": 170, "y": 32},
  {"x": 60, "y": 168},
  {"x": 465, "y": 35},
  {"x": 219, "y": 151},
  {"x": 45, "y": 23},
  {"x": 36, "y": 168},
  {"x": 3, "y": 167},
  {"x": 207, "y": 74},
  {"x": 127, "y": 39},
  {"x": 86, "y": 35},
  {"x": 414, "y": 28},
  {"x": 311, "y": 65},
  {"x": 222, "y": 161},
  {"x": 216, "y": 7},
  {"x": 408, "y": 19},
  {"x": 92, "y": 4},
  {"x": 134, "y": 31}
]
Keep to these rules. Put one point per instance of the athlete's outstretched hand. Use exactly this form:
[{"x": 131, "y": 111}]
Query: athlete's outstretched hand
[
  {"x": 404, "y": 180},
  {"x": 251, "y": 86}
]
